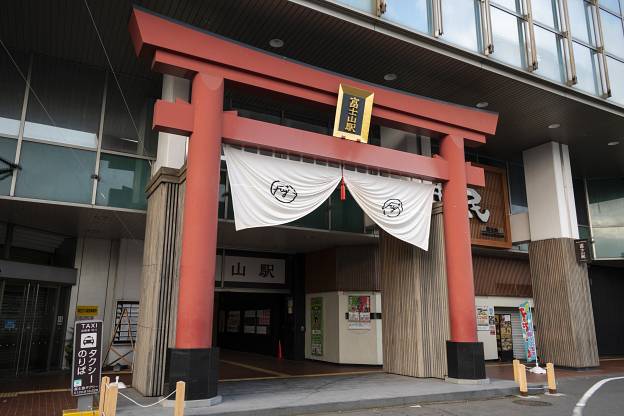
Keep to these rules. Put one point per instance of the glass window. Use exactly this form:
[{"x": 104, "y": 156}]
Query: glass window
[
  {"x": 612, "y": 5},
  {"x": 67, "y": 105},
  {"x": 460, "y": 20},
  {"x": 508, "y": 38},
  {"x": 319, "y": 218},
  {"x": 545, "y": 12},
  {"x": 517, "y": 189},
  {"x": 364, "y": 5},
  {"x": 513, "y": 5},
  {"x": 55, "y": 173},
  {"x": 581, "y": 21},
  {"x": 7, "y": 152},
  {"x": 12, "y": 86},
  {"x": 222, "y": 192},
  {"x": 412, "y": 14},
  {"x": 130, "y": 132},
  {"x": 613, "y": 33},
  {"x": 122, "y": 182},
  {"x": 609, "y": 242},
  {"x": 606, "y": 202},
  {"x": 587, "y": 69},
  {"x": 346, "y": 215},
  {"x": 549, "y": 54},
  {"x": 616, "y": 78}
]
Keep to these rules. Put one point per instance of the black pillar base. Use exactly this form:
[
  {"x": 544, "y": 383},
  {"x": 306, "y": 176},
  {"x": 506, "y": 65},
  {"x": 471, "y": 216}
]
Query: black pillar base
[
  {"x": 199, "y": 368},
  {"x": 465, "y": 360}
]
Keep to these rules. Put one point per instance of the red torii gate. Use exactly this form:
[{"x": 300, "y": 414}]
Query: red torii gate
[{"x": 208, "y": 60}]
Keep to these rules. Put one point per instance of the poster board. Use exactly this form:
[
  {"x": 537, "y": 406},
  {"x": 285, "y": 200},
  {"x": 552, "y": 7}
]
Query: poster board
[
  {"x": 316, "y": 330},
  {"x": 358, "y": 310}
]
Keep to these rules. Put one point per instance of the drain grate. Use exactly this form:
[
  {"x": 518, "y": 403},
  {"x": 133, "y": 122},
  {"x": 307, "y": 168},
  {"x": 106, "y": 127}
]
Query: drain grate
[{"x": 531, "y": 403}]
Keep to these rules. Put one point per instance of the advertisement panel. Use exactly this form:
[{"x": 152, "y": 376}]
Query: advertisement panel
[
  {"x": 316, "y": 316},
  {"x": 527, "y": 331}
]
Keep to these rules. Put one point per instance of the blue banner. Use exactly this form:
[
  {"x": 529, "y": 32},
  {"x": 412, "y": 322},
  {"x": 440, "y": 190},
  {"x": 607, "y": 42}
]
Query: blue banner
[{"x": 527, "y": 331}]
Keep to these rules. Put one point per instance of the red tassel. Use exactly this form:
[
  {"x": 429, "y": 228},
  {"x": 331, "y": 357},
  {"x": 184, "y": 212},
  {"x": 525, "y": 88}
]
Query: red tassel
[{"x": 343, "y": 192}]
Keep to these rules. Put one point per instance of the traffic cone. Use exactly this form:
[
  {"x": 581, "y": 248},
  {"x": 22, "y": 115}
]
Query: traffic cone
[{"x": 280, "y": 355}]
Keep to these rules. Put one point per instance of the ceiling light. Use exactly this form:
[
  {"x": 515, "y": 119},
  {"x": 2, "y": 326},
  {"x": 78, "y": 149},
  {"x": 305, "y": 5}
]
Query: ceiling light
[
  {"x": 390, "y": 77},
  {"x": 276, "y": 43},
  {"x": 554, "y": 126},
  {"x": 613, "y": 143},
  {"x": 482, "y": 104}
]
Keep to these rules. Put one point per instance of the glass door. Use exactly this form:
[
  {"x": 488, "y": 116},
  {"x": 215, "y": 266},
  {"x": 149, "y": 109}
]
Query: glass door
[{"x": 32, "y": 326}]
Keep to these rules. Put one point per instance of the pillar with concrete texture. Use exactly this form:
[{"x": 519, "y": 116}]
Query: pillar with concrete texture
[{"x": 565, "y": 332}]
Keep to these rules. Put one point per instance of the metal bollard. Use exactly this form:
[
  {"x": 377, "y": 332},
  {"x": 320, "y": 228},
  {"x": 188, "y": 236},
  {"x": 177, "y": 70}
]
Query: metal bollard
[
  {"x": 516, "y": 363},
  {"x": 550, "y": 375},
  {"x": 524, "y": 390}
]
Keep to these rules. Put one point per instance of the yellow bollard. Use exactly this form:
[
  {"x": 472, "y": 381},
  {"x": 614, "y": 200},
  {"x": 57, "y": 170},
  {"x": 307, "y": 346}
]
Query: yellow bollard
[
  {"x": 550, "y": 375},
  {"x": 103, "y": 387},
  {"x": 524, "y": 390},
  {"x": 516, "y": 363},
  {"x": 179, "y": 400}
]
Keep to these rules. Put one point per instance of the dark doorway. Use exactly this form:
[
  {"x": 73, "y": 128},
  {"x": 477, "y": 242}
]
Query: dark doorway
[
  {"x": 607, "y": 286},
  {"x": 32, "y": 326},
  {"x": 252, "y": 322}
]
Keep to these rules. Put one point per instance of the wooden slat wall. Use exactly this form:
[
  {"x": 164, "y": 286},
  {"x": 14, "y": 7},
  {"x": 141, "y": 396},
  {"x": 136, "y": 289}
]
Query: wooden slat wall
[
  {"x": 158, "y": 288},
  {"x": 350, "y": 268},
  {"x": 494, "y": 276},
  {"x": 357, "y": 268},
  {"x": 415, "y": 304},
  {"x": 565, "y": 332}
]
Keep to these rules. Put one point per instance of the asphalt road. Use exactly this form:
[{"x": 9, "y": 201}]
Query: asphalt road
[{"x": 607, "y": 401}]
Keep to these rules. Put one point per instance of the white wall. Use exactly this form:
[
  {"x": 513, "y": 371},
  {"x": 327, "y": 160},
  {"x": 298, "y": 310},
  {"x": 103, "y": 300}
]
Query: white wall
[
  {"x": 108, "y": 271},
  {"x": 550, "y": 196},
  {"x": 341, "y": 344}
]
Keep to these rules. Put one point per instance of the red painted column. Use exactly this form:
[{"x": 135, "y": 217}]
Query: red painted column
[
  {"x": 457, "y": 243},
  {"x": 199, "y": 226}
]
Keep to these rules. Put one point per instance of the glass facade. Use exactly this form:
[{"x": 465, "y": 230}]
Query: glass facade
[
  {"x": 461, "y": 23},
  {"x": 411, "y": 14},
  {"x": 7, "y": 152},
  {"x": 579, "y": 43},
  {"x": 122, "y": 182},
  {"x": 606, "y": 209},
  {"x": 55, "y": 173},
  {"x": 60, "y": 133},
  {"x": 508, "y": 37}
]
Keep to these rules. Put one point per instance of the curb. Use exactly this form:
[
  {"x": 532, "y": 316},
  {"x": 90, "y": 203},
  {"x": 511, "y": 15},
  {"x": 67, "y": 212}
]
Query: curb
[{"x": 369, "y": 403}]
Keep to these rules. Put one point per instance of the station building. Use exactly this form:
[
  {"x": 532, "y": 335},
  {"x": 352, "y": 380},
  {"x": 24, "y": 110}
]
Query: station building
[{"x": 104, "y": 214}]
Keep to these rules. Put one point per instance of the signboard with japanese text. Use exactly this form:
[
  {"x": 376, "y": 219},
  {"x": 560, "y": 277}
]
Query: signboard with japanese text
[
  {"x": 87, "y": 363},
  {"x": 86, "y": 311},
  {"x": 581, "y": 247},
  {"x": 527, "y": 331},
  {"x": 358, "y": 310},
  {"x": 353, "y": 113},
  {"x": 316, "y": 334},
  {"x": 254, "y": 270},
  {"x": 488, "y": 209}
]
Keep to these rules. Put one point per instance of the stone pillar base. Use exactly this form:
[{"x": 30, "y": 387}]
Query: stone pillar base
[{"x": 198, "y": 368}]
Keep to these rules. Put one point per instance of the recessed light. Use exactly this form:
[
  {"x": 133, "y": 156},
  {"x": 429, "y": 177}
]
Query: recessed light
[
  {"x": 613, "y": 143},
  {"x": 390, "y": 77},
  {"x": 554, "y": 126},
  {"x": 482, "y": 104},
  {"x": 276, "y": 43}
]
